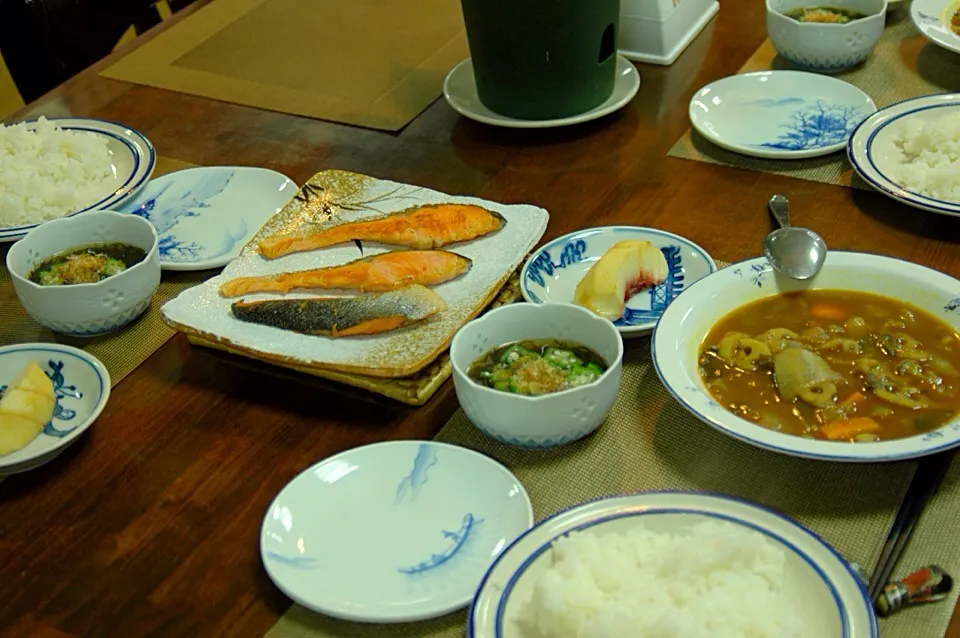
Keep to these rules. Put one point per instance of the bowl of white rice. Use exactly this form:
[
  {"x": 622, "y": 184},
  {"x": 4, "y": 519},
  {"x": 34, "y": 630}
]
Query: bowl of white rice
[
  {"x": 58, "y": 167},
  {"x": 910, "y": 151},
  {"x": 670, "y": 565}
]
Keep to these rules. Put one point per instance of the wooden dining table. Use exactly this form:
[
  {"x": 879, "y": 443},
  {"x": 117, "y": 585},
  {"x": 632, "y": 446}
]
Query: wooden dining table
[{"x": 149, "y": 524}]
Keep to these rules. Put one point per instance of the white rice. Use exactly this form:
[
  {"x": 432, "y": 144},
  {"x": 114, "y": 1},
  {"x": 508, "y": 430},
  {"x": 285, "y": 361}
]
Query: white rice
[
  {"x": 48, "y": 172},
  {"x": 930, "y": 156},
  {"x": 714, "y": 579}
]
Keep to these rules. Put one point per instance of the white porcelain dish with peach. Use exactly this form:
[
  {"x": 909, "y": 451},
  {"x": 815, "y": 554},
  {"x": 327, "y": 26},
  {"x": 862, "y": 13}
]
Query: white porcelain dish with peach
[
  {"x": 537, "y": 375},
  {"x": 626, "y": 274},
  {"x": 86, "y": 275},
  {"x": 861, "y": 363}
]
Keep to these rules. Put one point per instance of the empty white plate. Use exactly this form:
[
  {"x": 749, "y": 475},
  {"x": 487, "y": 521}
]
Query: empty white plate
[
  {"x": 875, "y": 154},
  {"x": 779, "y": 114},
  {"x": 81, "y": 385},
  {"x": 932, "y": 19},
  {"x": 552, "y": 273},
  {"x": 392, "y": 532},
  {"x": 460, "y": 91},
  {"x": 205, "y": 216}
]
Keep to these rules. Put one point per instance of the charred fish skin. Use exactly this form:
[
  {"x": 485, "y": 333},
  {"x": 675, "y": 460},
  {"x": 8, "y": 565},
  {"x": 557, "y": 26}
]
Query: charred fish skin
[{"x": 333, "y": 316}]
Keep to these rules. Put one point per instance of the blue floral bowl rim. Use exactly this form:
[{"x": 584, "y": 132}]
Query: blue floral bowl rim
[
  {"x": 711, "y": 263},
  {"x": 96, "y": 364}
]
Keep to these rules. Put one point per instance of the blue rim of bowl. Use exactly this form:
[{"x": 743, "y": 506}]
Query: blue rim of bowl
[
  {"x": 799, "y": 154},
  {"x": 786, "y": 450},
  {"x": 124, "y": 189},
  {"x": 471, "y": 612},
  {"x": 99, "y": 369},
  {"x": 899, "y": 193},
  {"x": 530, "y": 518},
  {"x": 530, "y": 297}
]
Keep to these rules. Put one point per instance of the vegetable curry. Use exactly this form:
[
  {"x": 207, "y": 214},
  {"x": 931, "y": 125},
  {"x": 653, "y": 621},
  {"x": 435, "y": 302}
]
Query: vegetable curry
[{"x": 835, "y": 365}]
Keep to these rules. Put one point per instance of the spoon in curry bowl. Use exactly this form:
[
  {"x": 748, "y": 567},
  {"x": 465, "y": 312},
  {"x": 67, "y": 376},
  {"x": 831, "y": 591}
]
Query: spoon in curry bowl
[{"x": 795, "y": 252}]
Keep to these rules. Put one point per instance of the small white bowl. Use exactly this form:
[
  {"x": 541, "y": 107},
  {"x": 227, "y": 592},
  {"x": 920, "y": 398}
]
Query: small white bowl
[
  {"x": 821, "y": 581},
  {"x": 537, "y": 421},
  {"x": 85, "y": 310},
  {"x": 822, "y": 47},
  {"x": 552, "y": 273},
  {"x": 81, "y": 385},
  {"x": 680, "y": 333}
]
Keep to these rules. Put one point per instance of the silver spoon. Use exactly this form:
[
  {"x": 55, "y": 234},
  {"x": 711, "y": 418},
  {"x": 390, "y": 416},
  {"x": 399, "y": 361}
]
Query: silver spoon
[{"x": 798, "y": 253}]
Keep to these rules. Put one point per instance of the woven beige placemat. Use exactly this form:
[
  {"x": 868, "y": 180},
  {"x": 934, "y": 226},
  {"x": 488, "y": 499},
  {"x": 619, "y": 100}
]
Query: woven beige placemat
[
  {"x": 903, "y": 65},
  {"x": 650, "y": 442},
  {"x": 120, "y": 351}
]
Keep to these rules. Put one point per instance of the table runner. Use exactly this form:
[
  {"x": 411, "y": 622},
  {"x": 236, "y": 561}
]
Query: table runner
[
  {"x": 903, "y": 65},
  {"x": 650, "y": 442},
  {"x": 364, "y": 62},
  {"x": 122, "y": 351}
]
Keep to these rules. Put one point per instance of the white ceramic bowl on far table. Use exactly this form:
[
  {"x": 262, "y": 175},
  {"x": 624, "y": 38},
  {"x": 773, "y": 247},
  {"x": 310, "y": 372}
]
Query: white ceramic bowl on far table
[
  {"x": 85, "y": 310},
  {"x": 826, "y": 47},
  {"x": 547, "y": 420}
]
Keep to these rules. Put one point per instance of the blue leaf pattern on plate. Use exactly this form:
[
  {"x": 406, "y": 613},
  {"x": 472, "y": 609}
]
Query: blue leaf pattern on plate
[
  {"x": 60, "y": 391},
  {"x": 953, "y": 305},
  {"x": 164, "y": 207},
  {"x": 297, "y": 562},
  {"x": 756, "y": 273},
  {"x": 458, "y": 538},
  {"x": 818, "y": 126},
  {"x": 413, "y": 482}
]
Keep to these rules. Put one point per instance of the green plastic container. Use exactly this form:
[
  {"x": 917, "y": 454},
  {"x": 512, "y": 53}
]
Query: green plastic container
[{"x": 543, "y": 59}]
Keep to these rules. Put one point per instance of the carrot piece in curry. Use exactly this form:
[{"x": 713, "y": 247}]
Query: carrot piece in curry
[{"x": 849, "y": 428}]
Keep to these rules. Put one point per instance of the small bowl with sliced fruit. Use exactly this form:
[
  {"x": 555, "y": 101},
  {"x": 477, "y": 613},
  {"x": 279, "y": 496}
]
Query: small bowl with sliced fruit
[
  {"x": 626, "y": 274},
  {"x": 49, "y": 395}
]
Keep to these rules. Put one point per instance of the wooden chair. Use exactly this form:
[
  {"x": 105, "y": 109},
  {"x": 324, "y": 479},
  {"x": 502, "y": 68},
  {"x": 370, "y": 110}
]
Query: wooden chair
[{"x": 46, "y": 42}]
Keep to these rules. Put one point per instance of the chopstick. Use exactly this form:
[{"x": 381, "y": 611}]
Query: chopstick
[{"x": 929, "y": 475}]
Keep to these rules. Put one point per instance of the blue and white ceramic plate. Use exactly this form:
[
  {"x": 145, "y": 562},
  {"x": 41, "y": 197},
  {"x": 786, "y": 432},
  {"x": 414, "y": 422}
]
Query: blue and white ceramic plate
[
  {"x": 552, "y": 273},
  {"x": 392, "y": 532},
  {"x": 686, "y": 322},
  {"x": 81, "y": 384},
  {"x": 932, "y": 19},
  {"x": 779, "y": 114},
  {"x": 874, "y": 152},
  {"x": 825, "y": 585},
  {"x": 132, "y": 163},
  {"x": 205, "y": 216}
]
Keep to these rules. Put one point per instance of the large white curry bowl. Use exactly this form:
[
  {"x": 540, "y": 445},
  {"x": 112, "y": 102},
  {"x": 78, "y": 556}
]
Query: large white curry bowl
[
  {"x": 683, "y": 326},
  {"x": 547, "y": 420}
]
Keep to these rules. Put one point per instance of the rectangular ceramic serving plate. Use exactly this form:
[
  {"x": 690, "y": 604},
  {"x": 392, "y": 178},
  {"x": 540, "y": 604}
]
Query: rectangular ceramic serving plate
[{"x": 332, "y": 197}]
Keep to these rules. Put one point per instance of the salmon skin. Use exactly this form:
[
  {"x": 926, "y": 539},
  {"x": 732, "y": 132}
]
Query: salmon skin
[
  {"x": 379, "y": 273},
  {"x": 423, "y": 228},
  {"x": 365, "y": 314}
]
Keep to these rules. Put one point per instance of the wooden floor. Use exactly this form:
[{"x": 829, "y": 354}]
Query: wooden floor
[{"x": 10, "y": 99}]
